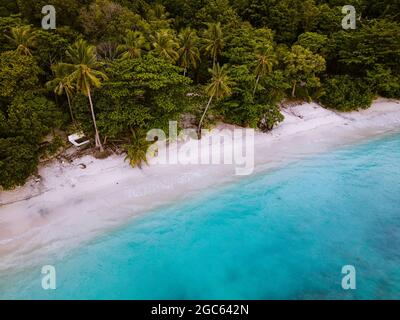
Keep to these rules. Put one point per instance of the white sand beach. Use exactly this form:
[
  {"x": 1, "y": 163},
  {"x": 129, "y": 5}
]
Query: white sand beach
[{"x": 73, "y": 203}]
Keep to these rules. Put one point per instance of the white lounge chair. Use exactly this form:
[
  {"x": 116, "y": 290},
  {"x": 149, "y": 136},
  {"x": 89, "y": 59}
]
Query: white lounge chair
[{"x": 78, "y": 139}]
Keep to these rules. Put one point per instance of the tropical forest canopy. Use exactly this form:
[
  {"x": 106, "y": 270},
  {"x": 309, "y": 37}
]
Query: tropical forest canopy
[{"x": 116, "y": 69}]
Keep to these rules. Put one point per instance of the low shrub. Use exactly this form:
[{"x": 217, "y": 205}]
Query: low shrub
[{"x": 344, "y": 93}]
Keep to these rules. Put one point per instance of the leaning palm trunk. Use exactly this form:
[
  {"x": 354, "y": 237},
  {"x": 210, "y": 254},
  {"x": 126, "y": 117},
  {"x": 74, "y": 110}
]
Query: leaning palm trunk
[
  {"x": 202, "y": 118},
  {"x": 255, "y": 87},
  {"x": 97, "y": 137},
  {"x": 294, "y": 90},
  {"x": 70, "y": 107}
]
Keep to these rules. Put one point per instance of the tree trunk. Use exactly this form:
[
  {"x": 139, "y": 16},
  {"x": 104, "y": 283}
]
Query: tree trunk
[
  {"x": 255, "y": 87},
  {"x": 184, "y": 72},
  {"x": 202, "y": 118},
  {"x": 294, "y": 90},
  {"x": 214, "y": 59},
  {"x": 70, "y": 108},
  {"x": 97, "y": 137}
]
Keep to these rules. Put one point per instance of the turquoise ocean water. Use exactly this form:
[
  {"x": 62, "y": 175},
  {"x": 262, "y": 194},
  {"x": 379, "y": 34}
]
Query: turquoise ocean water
[{"x": 285, "y": 234}]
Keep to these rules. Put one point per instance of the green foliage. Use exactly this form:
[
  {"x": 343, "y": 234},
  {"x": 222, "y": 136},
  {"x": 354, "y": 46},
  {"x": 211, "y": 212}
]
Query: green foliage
[
  {"x": 24, "y": 123},
  {"x": 105, "y": 20},
  {"x": 245, "y": 109},
  {"x": 287, "y": 17},
  {"x": 8, "y": 7},
  {"x": 137, "y": 149},
  {"x": 329, "y": 19},
  {"x": 189, "y": 54},
  {"x": 253, "y": 115},
  {"x": 346, "y": 94},
  {"x": 116, "y": 123},
  {"x": 220, "y": 85},
  {"x": 53, "y": 147},
  {"x": 18, "y": 160},
  {"x": 134, "y": 45},
  {"x": 376, "y": 42},
  {"x": 149, "y": 73},
  {"x": 139, "y": 6},
  {"x": 140, "y": 94},
  {"x": 50, "y": 47},
  {"x": 165, "y": 45},
  {"x": 6, "y": 23},
  {"x": 32, "y": 117},
  {"x": 214, "y": 41},
  {"x": 240, "y": 108},
  {"x": 271, "y": 117},
  {"x": 217, "y": 11},
  {"x": 382, "y": 9},
  {"x": 218, "y": 88},
  {"x": 384, "y": 82},
  {"x": 302, "y": 67},
  {"x": 184, "y": 12},
  {"x": 84, "y": 74},
  {"x": 242, "y": 42},
  {"x": 61, "y": 84},
  {"x": 67, "y": 11},
  {"x": 83, "y": 67},
  {"x": 17, "y": 73},
  {"x": 158, "y": 17},
  {"x": 22, "y": 39},
  {"x": 315, "y": 42}
]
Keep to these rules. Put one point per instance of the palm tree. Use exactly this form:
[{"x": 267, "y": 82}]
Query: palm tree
[
  {"x": 61, "y": 84},
  {"x": 214, "y": 41},
  {"x": 158, "y": 12},
  {"x": 23, "y": 38},
  {"x": 265, "y": 62},
  {"x": 84, "y": 74},
  {"x": 136, "y": 151},
  {"x": 189, "y": 54},
  {"x": 218, "y": 88},
  {"x": 165, "y": 46},
  {"x": 134, "y": 44},
  {"x": 158, "y": 17},
  {"x": 107, "y": 51}
]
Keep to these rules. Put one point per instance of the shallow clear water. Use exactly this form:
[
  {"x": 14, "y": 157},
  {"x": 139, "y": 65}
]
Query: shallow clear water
[{"x": 282, "y": 235}]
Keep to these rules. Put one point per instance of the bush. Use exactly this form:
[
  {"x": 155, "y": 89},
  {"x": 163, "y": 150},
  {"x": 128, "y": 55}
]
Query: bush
[
  {"x": 252, "y": 114},
  {"x": 346, "y": 94},
  {"x": 272, "y": 116},
  {"x": 384, "y": 82},
  {"x": 137, "y": 149},
  {"x": 33, "y": 117},
  {"x": 23, "y": 125},
  {"x": 18, "y": 160},
  {"x": 140, "y": 94},
  {"x": 247, "y": 108},
  {"x": 17, "y": 73}
]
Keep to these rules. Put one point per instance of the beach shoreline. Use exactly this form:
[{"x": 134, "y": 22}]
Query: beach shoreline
[{"x": 74, "y": 202}]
